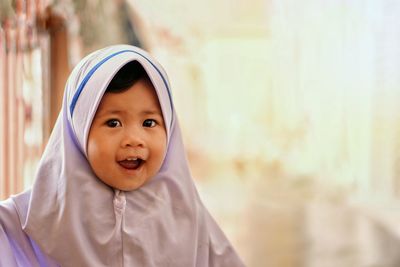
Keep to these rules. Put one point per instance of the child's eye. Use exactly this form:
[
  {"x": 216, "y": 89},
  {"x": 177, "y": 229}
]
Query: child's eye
[
  {"x": 149, "y": 123},
  {"x": 113, "y": 123}
]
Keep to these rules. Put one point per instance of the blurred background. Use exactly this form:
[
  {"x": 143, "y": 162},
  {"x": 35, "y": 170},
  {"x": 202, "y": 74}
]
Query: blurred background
[{"x": 289, "y": 109}]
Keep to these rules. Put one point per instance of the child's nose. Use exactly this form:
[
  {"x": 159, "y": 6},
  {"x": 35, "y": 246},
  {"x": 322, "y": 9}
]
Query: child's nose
[{"x": 132, "y": 139}]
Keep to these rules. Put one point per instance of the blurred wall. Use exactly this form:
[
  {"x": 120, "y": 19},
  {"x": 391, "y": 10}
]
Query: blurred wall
[
  {"x": 311, "y": 85},
  {"x": 23, "y": 95}
]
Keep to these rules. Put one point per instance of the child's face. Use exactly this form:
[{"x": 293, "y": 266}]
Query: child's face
[{"x": 127, "y": 139}]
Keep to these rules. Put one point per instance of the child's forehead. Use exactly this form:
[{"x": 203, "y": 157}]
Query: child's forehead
[{"x": 141, "y": 97}]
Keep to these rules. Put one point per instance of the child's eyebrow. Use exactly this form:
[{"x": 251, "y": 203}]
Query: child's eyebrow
[
  {"x": 151, "y": 112},
  {"x": 108, "y": 112},
  {"x": 122, "y": 112}
]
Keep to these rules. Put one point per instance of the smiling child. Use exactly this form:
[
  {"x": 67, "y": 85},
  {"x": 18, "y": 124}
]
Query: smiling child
[{"x": 113, "y": 187}]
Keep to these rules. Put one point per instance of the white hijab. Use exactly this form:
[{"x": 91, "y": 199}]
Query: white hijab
[{"x": 79, "y": 221}]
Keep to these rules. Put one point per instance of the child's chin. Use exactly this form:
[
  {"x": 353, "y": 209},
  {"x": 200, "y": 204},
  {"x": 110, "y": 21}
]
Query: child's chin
[{"x": 129, "y": 187}]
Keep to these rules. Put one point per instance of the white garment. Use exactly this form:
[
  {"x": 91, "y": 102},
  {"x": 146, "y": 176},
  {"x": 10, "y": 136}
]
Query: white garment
[{"x": 77, "y": 220}]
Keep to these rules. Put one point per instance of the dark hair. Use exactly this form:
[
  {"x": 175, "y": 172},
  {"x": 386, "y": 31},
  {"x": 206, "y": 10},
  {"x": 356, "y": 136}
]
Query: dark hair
[{"x": 127, "y": 76}]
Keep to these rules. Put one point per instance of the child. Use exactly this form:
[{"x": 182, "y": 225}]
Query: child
[{"x": 113, "y": 187}]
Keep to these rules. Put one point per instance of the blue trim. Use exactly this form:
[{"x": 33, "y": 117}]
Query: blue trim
[
  {"x": 86, "y": 79},
  {"x": 92, "y": 71}
]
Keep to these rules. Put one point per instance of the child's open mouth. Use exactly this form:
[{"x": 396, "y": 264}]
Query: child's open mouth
[{"x": 131, "y": 163}]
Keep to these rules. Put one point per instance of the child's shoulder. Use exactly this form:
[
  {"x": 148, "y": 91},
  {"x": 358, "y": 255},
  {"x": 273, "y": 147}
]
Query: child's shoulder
[
  {"x": 12, "y": 216},
  {"x": 10, "y": 229},
  {"x": 9, "y": 214},
  {"x": 17, "y": 248}
]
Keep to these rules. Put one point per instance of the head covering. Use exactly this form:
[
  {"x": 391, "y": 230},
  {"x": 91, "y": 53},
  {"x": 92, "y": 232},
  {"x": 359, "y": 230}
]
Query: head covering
[{"x": 79, "y": 221}]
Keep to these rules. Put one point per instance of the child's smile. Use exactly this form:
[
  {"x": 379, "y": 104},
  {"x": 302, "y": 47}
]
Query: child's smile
[
  {"x": 131, "y": 163},
  {"x": 127, "y": 139}
]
